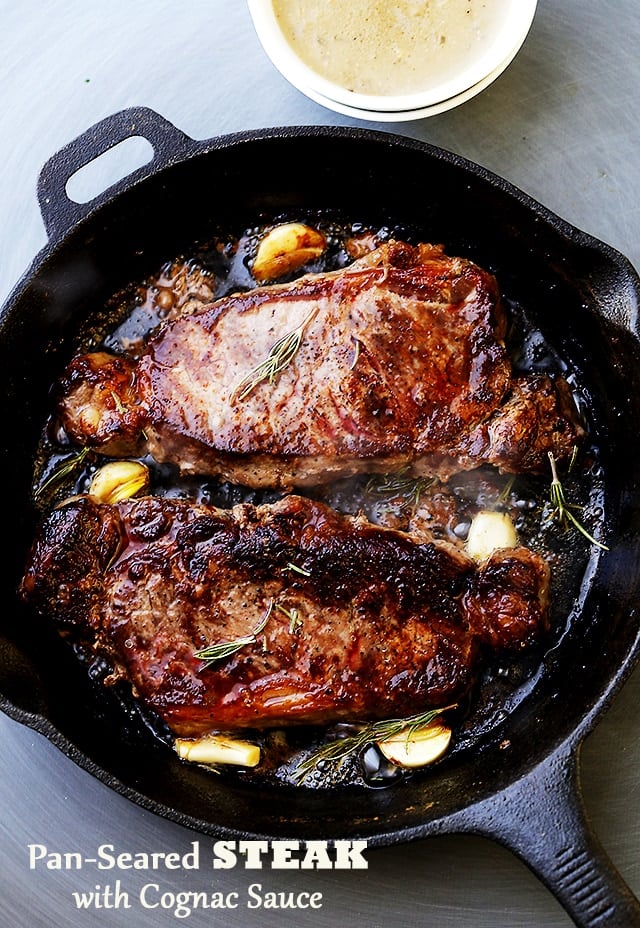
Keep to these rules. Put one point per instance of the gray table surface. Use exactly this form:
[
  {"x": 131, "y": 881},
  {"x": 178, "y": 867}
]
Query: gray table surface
[{"x": 562, "y": 123}]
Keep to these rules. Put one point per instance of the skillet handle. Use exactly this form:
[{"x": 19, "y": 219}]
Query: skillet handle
[
  {"x": 59, "y": 211},
  {"x": 541, "y": 818}
]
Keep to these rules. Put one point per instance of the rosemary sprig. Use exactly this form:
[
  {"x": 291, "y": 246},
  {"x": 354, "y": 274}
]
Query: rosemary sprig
[
  {"x": 409, "y": 489},
  {"x": 281, "y": 354},
  {"x": 63, "y": 470},
  {"x": 574, "y": 458},
  {"x": 218, "y": 652},
  {"x": 337, "y": 752},
  {"x": 561, "y": 511}
]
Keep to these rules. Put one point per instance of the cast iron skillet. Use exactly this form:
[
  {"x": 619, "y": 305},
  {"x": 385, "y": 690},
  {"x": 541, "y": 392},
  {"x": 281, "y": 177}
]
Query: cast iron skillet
[{"x": 521, "y": 786}]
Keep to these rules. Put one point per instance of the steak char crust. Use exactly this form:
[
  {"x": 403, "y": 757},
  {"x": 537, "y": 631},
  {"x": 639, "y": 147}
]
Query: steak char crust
[{"x": 361, "y": 622}]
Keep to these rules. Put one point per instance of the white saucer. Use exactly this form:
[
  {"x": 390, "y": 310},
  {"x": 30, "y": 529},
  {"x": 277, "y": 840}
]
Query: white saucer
[
  {"x": 478, "y": 74},
  {"x": 419, "y": 112}
]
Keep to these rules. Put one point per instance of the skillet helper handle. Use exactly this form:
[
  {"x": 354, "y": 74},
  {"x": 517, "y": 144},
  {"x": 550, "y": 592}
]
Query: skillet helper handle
[
  {"x": 543, "y": 822},
  {"x": 59, "y": 212}
]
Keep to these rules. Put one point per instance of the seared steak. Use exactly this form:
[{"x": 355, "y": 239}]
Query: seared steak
[
  {"x": 341, "y": 619},
  {"x": 396, "y": 361}
]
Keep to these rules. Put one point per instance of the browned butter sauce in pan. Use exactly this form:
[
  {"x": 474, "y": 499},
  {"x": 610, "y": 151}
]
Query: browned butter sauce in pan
[{"x": 222, "y": 266}]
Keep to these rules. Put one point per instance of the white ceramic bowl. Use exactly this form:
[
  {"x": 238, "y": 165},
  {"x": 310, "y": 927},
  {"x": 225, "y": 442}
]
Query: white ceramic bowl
[{"x": 491, "y": 56}]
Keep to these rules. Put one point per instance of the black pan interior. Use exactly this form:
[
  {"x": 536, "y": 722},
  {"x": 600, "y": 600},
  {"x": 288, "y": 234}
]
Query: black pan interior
[{"x": 585, "y": 299}]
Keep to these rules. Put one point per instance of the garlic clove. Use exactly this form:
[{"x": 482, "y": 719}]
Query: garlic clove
[
  {"x": 417, "y": 748},
  {"x": 118, "y": 480},
  {"x": 218, "y": 749},
  {"x": 488, "y": 532},
  {"x": 285, "y": 248}
]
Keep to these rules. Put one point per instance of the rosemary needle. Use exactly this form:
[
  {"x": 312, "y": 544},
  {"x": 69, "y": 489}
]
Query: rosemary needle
[
  {"x": 562, "y": 509},
  {"x": 296, "y": 569},
  {"x": 295, "y": 622},
  {"x": 281, "y": 354},
  {"x": 508, "y": 487},
  {"x": 356, "y": 352}
]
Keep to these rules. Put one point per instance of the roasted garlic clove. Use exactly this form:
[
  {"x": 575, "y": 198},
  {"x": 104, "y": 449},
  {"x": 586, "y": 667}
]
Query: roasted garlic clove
[
  {"x": 218, "y": 749},
  {"x": 118, "y": 480},
  {"x": 286, "y": 248},
  {"x": 488, "y": 532},
  {"x": 417, "y": 748}
]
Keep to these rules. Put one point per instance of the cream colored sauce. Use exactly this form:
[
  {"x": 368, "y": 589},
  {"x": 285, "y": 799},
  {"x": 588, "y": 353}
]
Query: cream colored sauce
[{"x": 386, "y": 47}]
